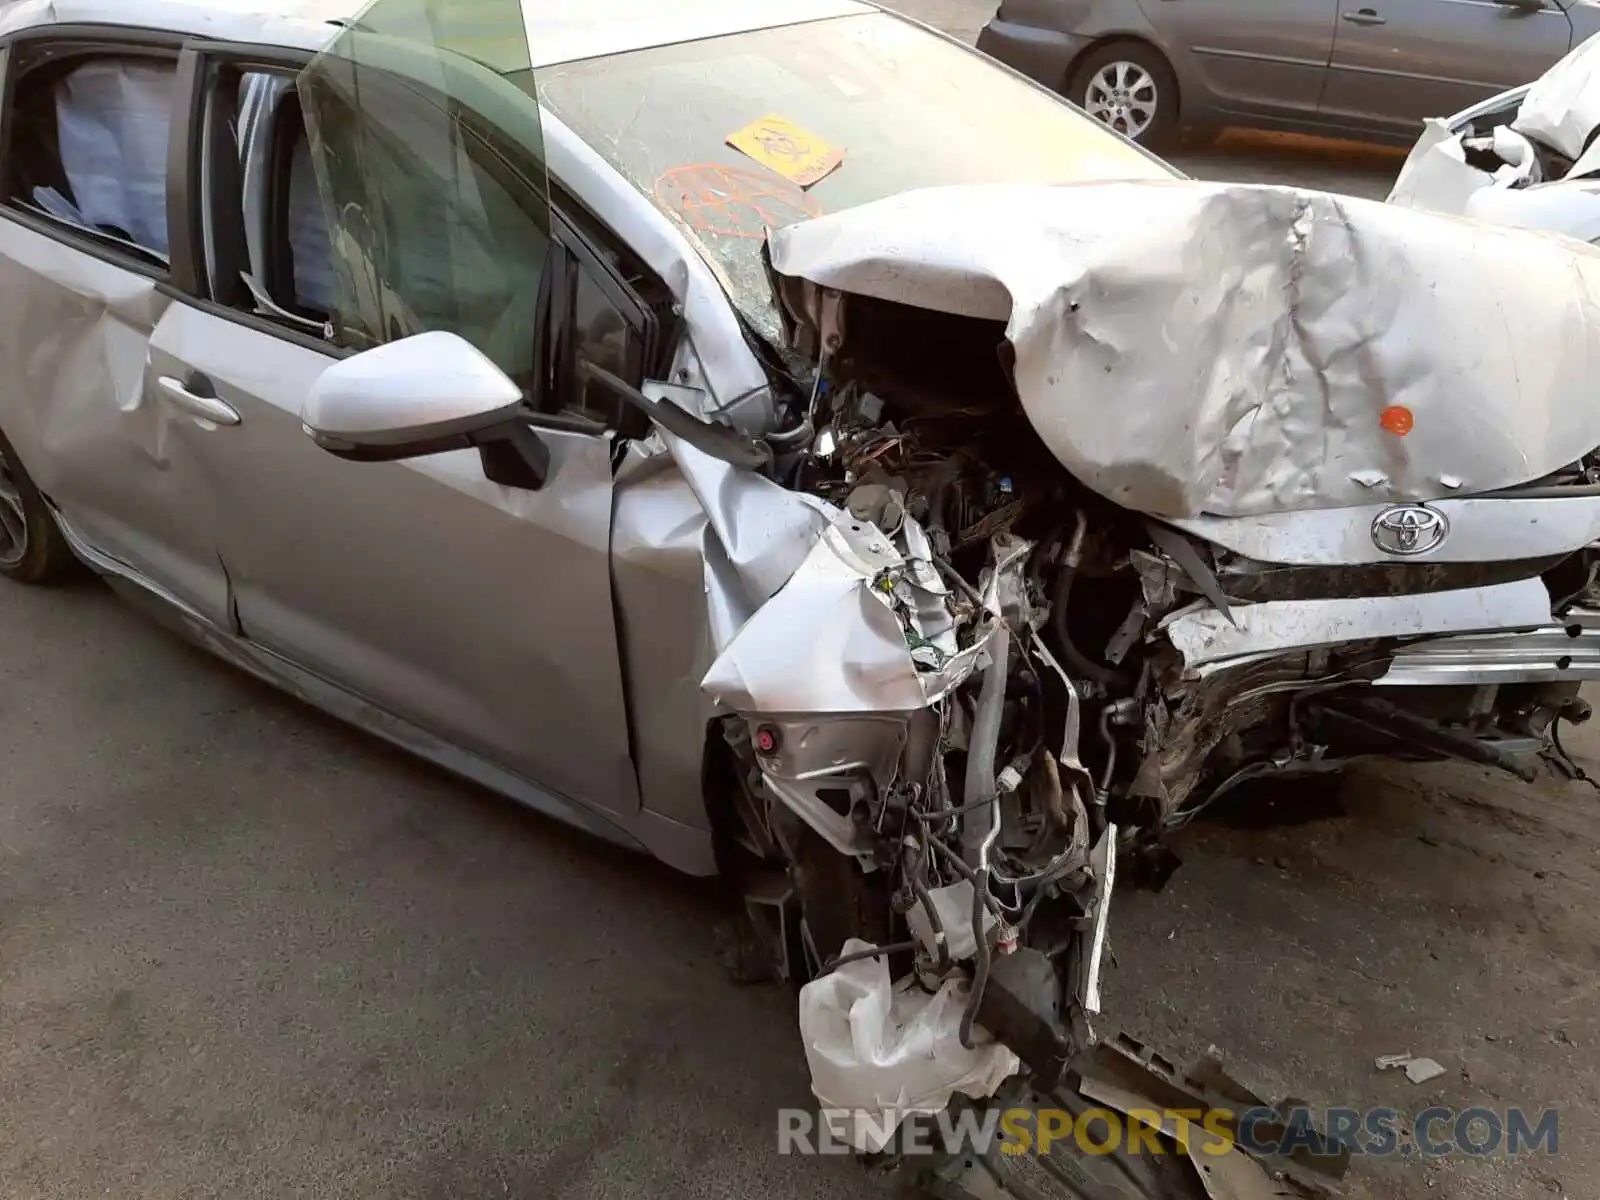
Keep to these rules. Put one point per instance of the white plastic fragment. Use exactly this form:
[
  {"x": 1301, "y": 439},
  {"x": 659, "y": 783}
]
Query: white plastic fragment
[
  {"x": 1418, "y": 1070},
  {"x": 880, "y": 1052}
]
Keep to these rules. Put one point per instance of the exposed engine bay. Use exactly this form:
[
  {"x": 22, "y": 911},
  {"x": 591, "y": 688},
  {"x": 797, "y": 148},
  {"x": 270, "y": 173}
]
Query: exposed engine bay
[{"x": 1051, "y": 689}]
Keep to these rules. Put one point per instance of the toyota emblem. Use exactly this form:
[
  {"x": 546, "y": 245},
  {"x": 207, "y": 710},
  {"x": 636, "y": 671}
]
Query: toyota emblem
[{"x": 1409, "y": 529}]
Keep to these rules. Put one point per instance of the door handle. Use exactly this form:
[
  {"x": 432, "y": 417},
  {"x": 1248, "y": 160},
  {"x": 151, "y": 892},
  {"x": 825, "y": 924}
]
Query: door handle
[
  {"x": 192, "y": 398},
  {"x": 1365, "y": 16}
]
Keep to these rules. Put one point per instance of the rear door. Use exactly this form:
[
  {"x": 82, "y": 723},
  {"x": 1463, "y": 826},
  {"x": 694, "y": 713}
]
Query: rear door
[
  {"x": 1397, "y": 62},
  {"x": 1251, "y": 57},
  {"x": 85, "y": 273},
  {"x": 373, "y": 198}
]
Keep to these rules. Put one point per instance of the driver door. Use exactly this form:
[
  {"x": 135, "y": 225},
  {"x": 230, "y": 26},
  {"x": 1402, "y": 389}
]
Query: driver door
[{"x": 478, "y": 612}]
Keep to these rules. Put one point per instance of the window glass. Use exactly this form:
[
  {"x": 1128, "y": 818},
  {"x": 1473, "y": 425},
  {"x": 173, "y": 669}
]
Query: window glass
[
  {"x": 600, "y": 335},
  {"x": 310, "y": 250},
  {"x": 889, "y": 107},
  {"x": 286, "y": 229},
  {"x": 430, "y": 168},
  {"x": 90, "y": 148}
]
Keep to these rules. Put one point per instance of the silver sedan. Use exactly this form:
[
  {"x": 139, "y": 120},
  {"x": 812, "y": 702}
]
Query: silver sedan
[
  {"x": 1365, "y": 68},
  {"x": 743, "y": 431}
]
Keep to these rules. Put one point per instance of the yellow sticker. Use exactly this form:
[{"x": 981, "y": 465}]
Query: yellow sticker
[{"x": 787, "y": 149}]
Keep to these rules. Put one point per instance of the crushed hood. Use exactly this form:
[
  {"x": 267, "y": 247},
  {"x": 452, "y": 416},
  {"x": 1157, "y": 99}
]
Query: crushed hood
[{"x": 1188, "y": 348}]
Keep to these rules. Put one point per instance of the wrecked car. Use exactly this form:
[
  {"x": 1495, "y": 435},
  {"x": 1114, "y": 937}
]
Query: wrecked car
[
  {"x": 778, "y": 440},
  {"x": 1526, "y": 157}
]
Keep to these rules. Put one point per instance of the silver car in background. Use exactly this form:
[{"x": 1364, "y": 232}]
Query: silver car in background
[{"x": 1364, "y": 68}]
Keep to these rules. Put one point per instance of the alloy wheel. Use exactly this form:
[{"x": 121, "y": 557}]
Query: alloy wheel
[
  {"x": 1124, "y": 96},
  {"x": 13, "y": 520}
]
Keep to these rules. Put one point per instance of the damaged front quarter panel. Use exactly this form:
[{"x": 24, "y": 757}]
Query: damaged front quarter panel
[{"x": 886, "y": 704}]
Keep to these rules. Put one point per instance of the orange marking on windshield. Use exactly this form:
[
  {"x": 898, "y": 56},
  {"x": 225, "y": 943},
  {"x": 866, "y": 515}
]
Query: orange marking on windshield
[{"x": 741, "y": 202}]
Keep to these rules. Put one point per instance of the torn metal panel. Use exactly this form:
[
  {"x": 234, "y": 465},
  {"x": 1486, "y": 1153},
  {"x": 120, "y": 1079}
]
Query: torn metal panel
[
  {"x": 1528, "y": 174},
  {"x": 1438, "y": 178},
  {"x": 1436, "y": 175},
  {"x": 759, "y": 533},
  {"x": 1278, "y": 627},
  {"x": 864, "y": 625},
  {"x": 1104, "y": 862},
  {"x": 1293, "y": 323},
  {"x": 1569, "y": 207},
  {"x": 880, "y": 1052},
  {"x": 1562, "y": 107}
]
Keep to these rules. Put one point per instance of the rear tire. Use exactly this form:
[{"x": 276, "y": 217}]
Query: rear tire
[
  {"x": 32, "y": 546},
  {"x": 1130, "y": 87}
]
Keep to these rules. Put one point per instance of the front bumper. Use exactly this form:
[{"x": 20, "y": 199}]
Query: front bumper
[
  {"x": 1553, "y": 654},
  {"x": 1211, "y": 640},
  {"x": 1467, "y": 637}
]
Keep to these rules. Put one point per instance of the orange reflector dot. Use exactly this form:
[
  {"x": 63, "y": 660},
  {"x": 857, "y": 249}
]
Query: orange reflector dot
[{"x": 1397, "y": 419}]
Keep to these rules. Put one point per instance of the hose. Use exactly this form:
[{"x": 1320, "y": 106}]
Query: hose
[
  {"x": 971, "y": 876},
  {"x": 980, "y": 972},
  {"x": 870, "y": 952},
  {"x": 981, "y": 826},
  {"x": 935, "y": 923},
  {"x": 1078, "y": 662}
]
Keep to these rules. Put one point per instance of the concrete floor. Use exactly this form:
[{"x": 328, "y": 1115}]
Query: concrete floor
[{"x": 245, "y": 952}]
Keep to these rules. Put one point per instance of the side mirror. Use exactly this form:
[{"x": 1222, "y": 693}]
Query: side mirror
[{"x": 421, "y": 395}]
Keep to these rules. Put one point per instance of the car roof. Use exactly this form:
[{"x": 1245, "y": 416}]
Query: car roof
[{"x": 558, "y": 30}]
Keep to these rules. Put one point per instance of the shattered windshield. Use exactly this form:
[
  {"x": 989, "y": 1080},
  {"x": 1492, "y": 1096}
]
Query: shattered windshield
[
  {"x": 733, "y": 134},
  {"x": 426, "y": 137}
]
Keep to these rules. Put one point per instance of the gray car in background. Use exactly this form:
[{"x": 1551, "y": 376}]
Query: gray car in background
[{"x": 1368, "y": 68}]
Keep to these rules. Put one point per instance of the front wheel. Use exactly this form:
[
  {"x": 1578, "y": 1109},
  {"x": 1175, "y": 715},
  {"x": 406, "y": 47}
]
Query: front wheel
[
  {"x": 32, "y": 547},
  {"x": 1129, "y": 87}
]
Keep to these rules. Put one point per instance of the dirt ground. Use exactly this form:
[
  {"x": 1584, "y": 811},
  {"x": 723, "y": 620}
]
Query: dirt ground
[{"x": 1446, "y": 910}]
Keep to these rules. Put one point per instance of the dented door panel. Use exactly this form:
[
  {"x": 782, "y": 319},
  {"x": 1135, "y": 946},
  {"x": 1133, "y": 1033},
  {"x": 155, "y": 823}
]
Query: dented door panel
[{"x": 80, "y": 400}]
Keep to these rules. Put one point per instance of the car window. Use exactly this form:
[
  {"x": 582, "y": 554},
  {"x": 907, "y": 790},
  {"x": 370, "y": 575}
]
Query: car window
[
  {"x": 267, "y": 247},
  {"x": 600, "y": 333},
  {"x": 430, "y": 169},
  {"x": 89, "y": 148},
  {"x": 286, "y": 229}
]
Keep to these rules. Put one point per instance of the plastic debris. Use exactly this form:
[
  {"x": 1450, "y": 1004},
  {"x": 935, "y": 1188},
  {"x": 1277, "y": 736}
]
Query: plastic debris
[{"x": 1418, "y": 1070}]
